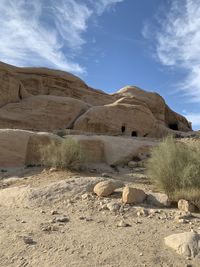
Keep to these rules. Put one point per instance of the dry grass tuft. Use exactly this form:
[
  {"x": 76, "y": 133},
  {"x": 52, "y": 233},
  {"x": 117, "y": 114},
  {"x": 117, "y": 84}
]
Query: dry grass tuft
[
  {"x": 174, "y": 167},
  {"x": 65, "y": 155}
]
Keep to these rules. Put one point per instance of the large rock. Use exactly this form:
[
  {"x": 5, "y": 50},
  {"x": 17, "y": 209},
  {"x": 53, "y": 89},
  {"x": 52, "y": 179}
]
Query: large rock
[
  {"x": 186, "y": 244},
  {"x": 20, "y": 148},
  {"x": 132, "y": 120},
  {"x": 133, "y": 195},
  {"x": 104, "y": 189},
  {"x": 47, "y": 107},
  {"x": 113, "y": 150},
  {"x": 44, "y": 113},
  {"x": 158, "y": 199},
  {"x": 11, "y": 89}
]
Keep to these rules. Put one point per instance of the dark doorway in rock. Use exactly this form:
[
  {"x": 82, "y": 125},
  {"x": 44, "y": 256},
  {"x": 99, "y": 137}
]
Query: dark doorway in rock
[
  {"x": 19, "y": 92},
  {"x": 123, "y": 128},
  {"x": 134, "y": 133},
  {"x": 173, "y": 126}
]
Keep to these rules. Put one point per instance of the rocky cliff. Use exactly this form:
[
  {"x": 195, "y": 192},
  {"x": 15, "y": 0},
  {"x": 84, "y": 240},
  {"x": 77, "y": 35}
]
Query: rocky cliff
[{"x": 41, "y": 99}]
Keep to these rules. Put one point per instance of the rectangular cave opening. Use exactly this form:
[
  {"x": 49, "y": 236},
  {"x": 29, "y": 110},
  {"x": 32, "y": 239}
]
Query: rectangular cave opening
[
  {"x": 173, "y": 126},
  {"x": 123, "y": 129},
  {"x": 134, "y": 133}
]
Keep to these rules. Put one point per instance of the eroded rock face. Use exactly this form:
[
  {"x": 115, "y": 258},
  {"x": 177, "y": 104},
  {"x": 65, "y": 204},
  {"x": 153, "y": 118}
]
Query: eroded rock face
[
  {"x": 186, "y": 244},
  {"x": 117, "y": 119},
  {"x": 42, "y": 112},
  {"x": 20, "y": 148},
  {"x": 44, "y": 99}
]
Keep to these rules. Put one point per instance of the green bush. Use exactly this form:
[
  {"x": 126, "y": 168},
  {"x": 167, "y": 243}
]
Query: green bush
[
  {"x": 174, "y": 167},
  {"x": 65, "y": 155}
]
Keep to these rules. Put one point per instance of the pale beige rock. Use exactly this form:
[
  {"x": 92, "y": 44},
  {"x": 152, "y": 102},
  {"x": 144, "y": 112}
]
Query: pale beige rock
[
  {"x": 133, "y": 195},
  {"x": 35, "y": 98},
  {"x": 44, "y": 113},
  {"x": 158, "y": 199},
  {"x": 104, "y": 189},
  {"x": 20, "y": 148},
  {"x": 131, "y": 120},
  {"x": 185, "y": 205},
  {"x": 112, "y": 150},
  {"x": 186, "y": 244},
  {"x": 132, "y": 164}
]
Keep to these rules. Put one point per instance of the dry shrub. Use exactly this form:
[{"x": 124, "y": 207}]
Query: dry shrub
[
  {"x": 174, "y": 167},
  {"x": 67, "y": 154}
]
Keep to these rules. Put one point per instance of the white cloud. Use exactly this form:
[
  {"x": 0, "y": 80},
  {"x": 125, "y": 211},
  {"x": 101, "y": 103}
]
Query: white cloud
[
  {"x": 47, "y": 33},
  {"x": 194, "y": 118},
  {"x": 103, "y": 5},
  {"x": 178, "y": 43}
]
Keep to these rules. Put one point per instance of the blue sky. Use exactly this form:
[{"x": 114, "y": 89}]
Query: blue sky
[{"x": 153, "y": 44}]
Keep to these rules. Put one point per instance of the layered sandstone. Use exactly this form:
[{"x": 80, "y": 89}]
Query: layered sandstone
[{"x": 49, "y": 100}]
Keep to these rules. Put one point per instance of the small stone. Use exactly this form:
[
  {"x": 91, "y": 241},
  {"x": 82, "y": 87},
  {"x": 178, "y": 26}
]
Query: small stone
[
  {"x": 28, "y": 240},
  {"x": 53, "y": 170},
  {"x": 23, "y": 221},
  {"x": 132, "y": 164},
  {"x": 183, "y": 221},
  {"x": 54, "y": 212},
  {"x": 85, "y": 196},
  {"x": 113, "y": 206},
  {"x": 142, "y": 212},
  {"x": 62, "y": 219},
  {"x": 49, "y": 228},
  {"x": 106, "y": 175},
  {"x": 186, "y": 206},
  {"x": 133, "y": 195},
  {"x": 122, "y": 223}
]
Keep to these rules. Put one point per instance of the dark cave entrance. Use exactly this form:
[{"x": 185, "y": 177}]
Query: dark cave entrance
[
  {"x": 134, "y": 133},
  {"x": 19, "y": 92},
  {"x": 173, "y": 126},
  {"x": 123, "y": 128}
]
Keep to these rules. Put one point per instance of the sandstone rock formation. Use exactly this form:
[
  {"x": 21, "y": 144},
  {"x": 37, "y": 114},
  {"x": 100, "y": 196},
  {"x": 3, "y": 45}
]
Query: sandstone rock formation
[
  {"x": 21, "y": 147},
  {"x": 43, "y": 99}
]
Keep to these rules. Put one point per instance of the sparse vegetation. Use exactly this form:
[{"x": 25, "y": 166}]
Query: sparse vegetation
[
  {"x": 65, "y": 155},
  {"x": 174, "y": 167}
]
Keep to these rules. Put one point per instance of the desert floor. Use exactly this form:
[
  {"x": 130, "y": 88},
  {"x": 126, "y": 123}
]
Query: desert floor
[{"x": 52, "y": 219}]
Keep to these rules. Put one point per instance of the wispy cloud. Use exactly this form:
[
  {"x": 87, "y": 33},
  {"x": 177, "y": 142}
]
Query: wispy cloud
[
  {"x": 178, "y": 43},
  {"x": 103, "y": 5},
  {"x": 194, "y": 118},
  {"x": 48, "y": 33}
]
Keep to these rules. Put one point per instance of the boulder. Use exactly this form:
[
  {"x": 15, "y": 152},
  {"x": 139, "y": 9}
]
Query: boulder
[
  {"x": 133, "y": 164},
  {"x": 131, "y": 120},
  {"x": 112, "y": 150},
  {"x": 104, "y": 189},
  {"x": 43, "y": 113},
  {"x": 185, "y": 205},
  {"x": 133, "y": 195},
  {"x": 186, "y": 244},
  {"x": 158, "y": 199},
  {"x": 20, "y": 148}
]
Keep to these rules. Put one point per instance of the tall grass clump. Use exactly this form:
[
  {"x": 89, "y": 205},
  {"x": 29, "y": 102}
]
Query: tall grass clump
[
  {"x": 67, "y": 154},
  {"x": 174, "y": 167}
]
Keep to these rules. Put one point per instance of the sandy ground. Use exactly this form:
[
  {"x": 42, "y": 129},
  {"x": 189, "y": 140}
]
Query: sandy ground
[{"x": 49, "y": 220}]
